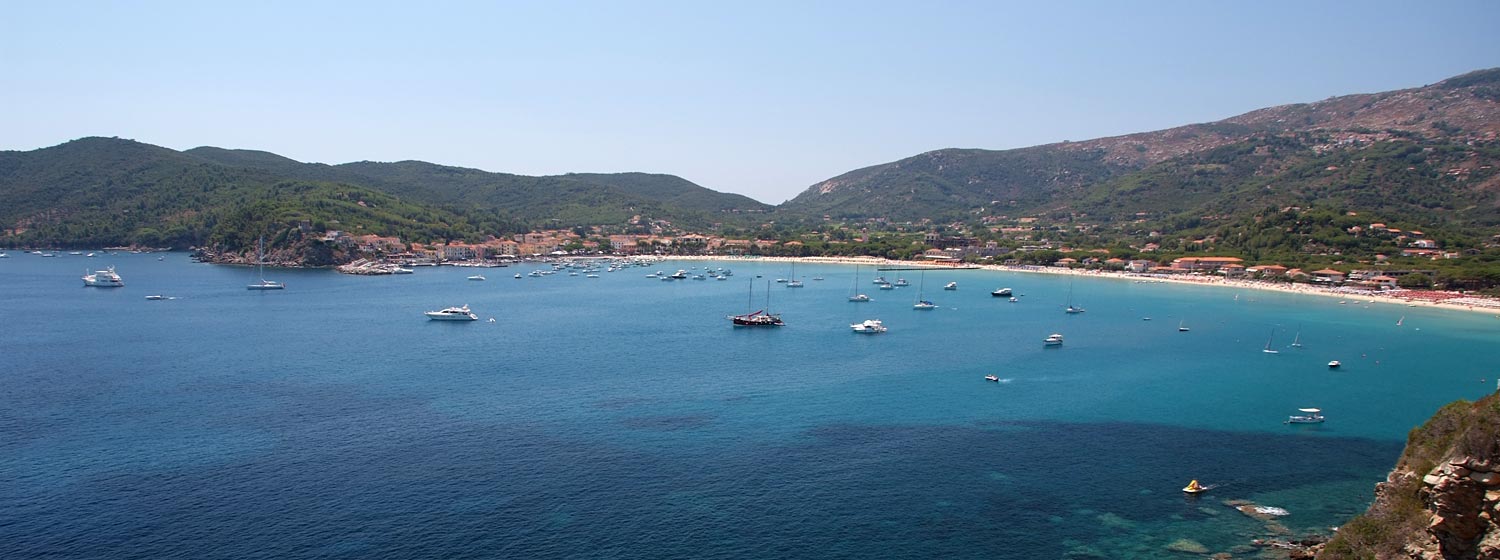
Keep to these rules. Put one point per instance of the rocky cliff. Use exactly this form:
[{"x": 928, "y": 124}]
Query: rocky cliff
[{"x": 1443, "y": 498}]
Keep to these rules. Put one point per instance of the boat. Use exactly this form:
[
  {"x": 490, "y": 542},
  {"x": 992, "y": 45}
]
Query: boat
[
  {"x": 855, "y": 296},
  {"x": 453, "y": 314},
  {"x": 477, "y": 277},
  {"x": 1334, "y": 364},
  {"x": 1401, "y": 320},
  {"x": 1002, "y": 292},
  {"x": 1308, "y": 416},
  {"x": 922, "y": 303},
  {"x": 91, "y": 255},
  {"x": 260, "y": 261},
  {"x": 518, "y": 276},
  {"x": 992, "y": 377},
  {"x": 1072, "y": 309},
  {"x": 1195, "y": 488},
  {"x": 106, "y": 278},
  {"x": 1181, "y": 327},
  {"x": 1297, "y": 340},
  {"x": 402, "y": 270},
  {"x": 1053, "y": 339},
  {"x": 679, "y": 275},
  {"x": 761, "y": 318},
  {"x": 3, "y": 255},
  {"x": 1013, "y": 299},
  {"x": 817, "y": 279},
  {"x": 157, "y": 297},
  {"x": 868, "y": 326},
  {"x": 880, "y": 280},
  {"x": 1268, "y": 348},
  {"x": 950, "y": 286},
  {"x": 901, "y": 282}
]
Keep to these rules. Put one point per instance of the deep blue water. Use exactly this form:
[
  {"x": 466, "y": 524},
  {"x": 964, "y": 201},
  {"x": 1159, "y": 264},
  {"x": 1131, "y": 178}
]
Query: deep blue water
[{"x": 622, "y": 417}]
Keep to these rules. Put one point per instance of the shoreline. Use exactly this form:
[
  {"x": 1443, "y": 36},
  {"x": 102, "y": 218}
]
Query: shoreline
[{"x": 1409, "y": 298}]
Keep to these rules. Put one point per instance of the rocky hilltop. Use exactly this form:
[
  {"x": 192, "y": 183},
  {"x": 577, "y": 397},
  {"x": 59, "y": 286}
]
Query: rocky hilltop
[{"x": 1443, "y": 498}]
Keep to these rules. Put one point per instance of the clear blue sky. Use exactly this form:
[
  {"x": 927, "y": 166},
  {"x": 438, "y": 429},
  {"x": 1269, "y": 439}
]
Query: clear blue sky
[{"x": 758, "y": 98}]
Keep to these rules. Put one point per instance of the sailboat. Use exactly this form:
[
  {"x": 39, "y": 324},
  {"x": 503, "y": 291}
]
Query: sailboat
[
  {"x": 794, "y": 282},
  {"x": 855, "y": 296},
  {"x": 260, "y": 259},
  {"x": 762, "y": 318},
  {"x": 922, "y": 303},
  {"x": 1297, "y": 340},
  {"x": 1268, "y": 349},
  {"x": 1181, "y": 327},
  {"x": 1401, "y": 320},
  {"x": 1071, "y": 308}
]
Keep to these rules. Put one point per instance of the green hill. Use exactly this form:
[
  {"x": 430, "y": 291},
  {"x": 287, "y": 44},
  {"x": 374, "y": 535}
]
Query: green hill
[
  {"x": 1427, "y": 154},
  {"x": 108, "y": 191}
]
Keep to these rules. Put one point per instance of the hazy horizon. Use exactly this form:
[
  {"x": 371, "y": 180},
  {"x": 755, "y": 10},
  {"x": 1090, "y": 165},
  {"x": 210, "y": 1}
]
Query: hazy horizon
[{"x": 762, "y": 101}]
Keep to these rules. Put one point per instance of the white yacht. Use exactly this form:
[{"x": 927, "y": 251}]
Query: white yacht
[
  {"x": 103, "y": 279},
  {"x": 1002, "y": 292},
  {"x": 260, "y": 260},
  {"x": 1053, "y": 339},
  {"x": 477, "y": 277},
  {"x": 950, "y": 286},
  {"x": 1334, "y": 364},
  {"x": 869, "y": 326},
  {"x": 1308, "y": 416},
  {"x": 453, "y": 314}
]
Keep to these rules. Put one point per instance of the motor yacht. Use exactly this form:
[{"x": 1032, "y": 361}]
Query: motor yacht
[
  {"x": 868, "y": 326},
  {"x": 453, "y": 314},
  {"x": 103, "y": 279}
]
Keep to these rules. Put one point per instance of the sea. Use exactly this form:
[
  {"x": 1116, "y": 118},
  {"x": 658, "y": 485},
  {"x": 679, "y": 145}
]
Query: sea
[{"x": 624, "y": 417}]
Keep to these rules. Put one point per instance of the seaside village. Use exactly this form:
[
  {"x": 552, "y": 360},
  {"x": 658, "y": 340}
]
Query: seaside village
[{"x": 390, "y": 255}]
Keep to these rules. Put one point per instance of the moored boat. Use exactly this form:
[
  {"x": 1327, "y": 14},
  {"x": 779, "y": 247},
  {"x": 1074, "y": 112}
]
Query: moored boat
[
  {"x": 1002, "y": 292},
  {"x": 453, "y": 314},
  {"x": 1334, "y": 364},
  {"x": 1053, "y": 339},
  {"x": 1308, "y": 416},
  {"x": 950, "y": 286},
  {"x": 868, "y": 326},
  {"x": 106, "y": 278}
]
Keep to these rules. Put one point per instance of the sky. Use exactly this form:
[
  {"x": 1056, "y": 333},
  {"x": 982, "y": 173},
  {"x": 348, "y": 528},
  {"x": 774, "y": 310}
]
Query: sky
[{"x": 760, "y": 98}]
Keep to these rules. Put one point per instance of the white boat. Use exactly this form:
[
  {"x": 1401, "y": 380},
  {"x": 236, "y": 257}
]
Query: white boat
[
  {"x": 1013, "y": 299},
  {"x": 91, "y": 255},
  {"x": 679, "y": 275},
  {"x": 157, "y": 297},
  {"x": 1334, "y": 364},
  {"x": 260, "y": 260},
  {"x": 477, "y": 277},
  {"x": 921, "y": 303},
  {"x": 1268, "y": 348},
  {"x": 854, "y": 294},
  {"x": 868, "y": 326},
  {"x": 1053, "y": 339},
  {"x": 886, "y": 286},
  {"x": 518, "y": 276},
  {"x": 103, "y": 279},
  {"x": 951, "y": 286},
  {"x": 453, "y": 314},
  {"x": 3, "y": 255},
  {"x": 992, "y": 377},
  {"x": 1297, "y": 340},
  {"x": 1308, "y": 416},
  {"x": 1071, "y": 309},
  {"x": 1181, "y": 327},
  {"x": 880, "y": 280},
  {"x": 1002, "y": 292}
]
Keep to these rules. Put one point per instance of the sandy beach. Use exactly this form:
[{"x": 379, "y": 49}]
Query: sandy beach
[{"x": 1407, "y": 298}]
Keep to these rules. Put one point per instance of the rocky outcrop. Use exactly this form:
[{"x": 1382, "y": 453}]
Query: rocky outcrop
[{"x": 1442, "y": 501}]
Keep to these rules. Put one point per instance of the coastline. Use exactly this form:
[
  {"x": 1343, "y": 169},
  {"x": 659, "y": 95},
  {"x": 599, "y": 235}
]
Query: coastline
[{"x": 1409, "y": 298}]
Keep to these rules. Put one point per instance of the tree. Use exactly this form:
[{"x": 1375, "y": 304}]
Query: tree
[{"x": 1414, "y": 280}]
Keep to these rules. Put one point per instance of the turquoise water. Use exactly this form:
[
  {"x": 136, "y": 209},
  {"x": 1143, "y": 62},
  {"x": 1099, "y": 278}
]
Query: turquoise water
[{"x": 622, "y": 417}]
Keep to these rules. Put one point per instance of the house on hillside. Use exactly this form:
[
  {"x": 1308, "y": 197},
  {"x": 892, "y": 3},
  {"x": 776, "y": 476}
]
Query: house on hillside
[{"x": 1204, "y": 264}]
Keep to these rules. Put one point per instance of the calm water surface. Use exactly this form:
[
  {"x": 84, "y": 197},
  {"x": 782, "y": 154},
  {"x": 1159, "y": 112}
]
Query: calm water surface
[{"x": 622, "y": 417}]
